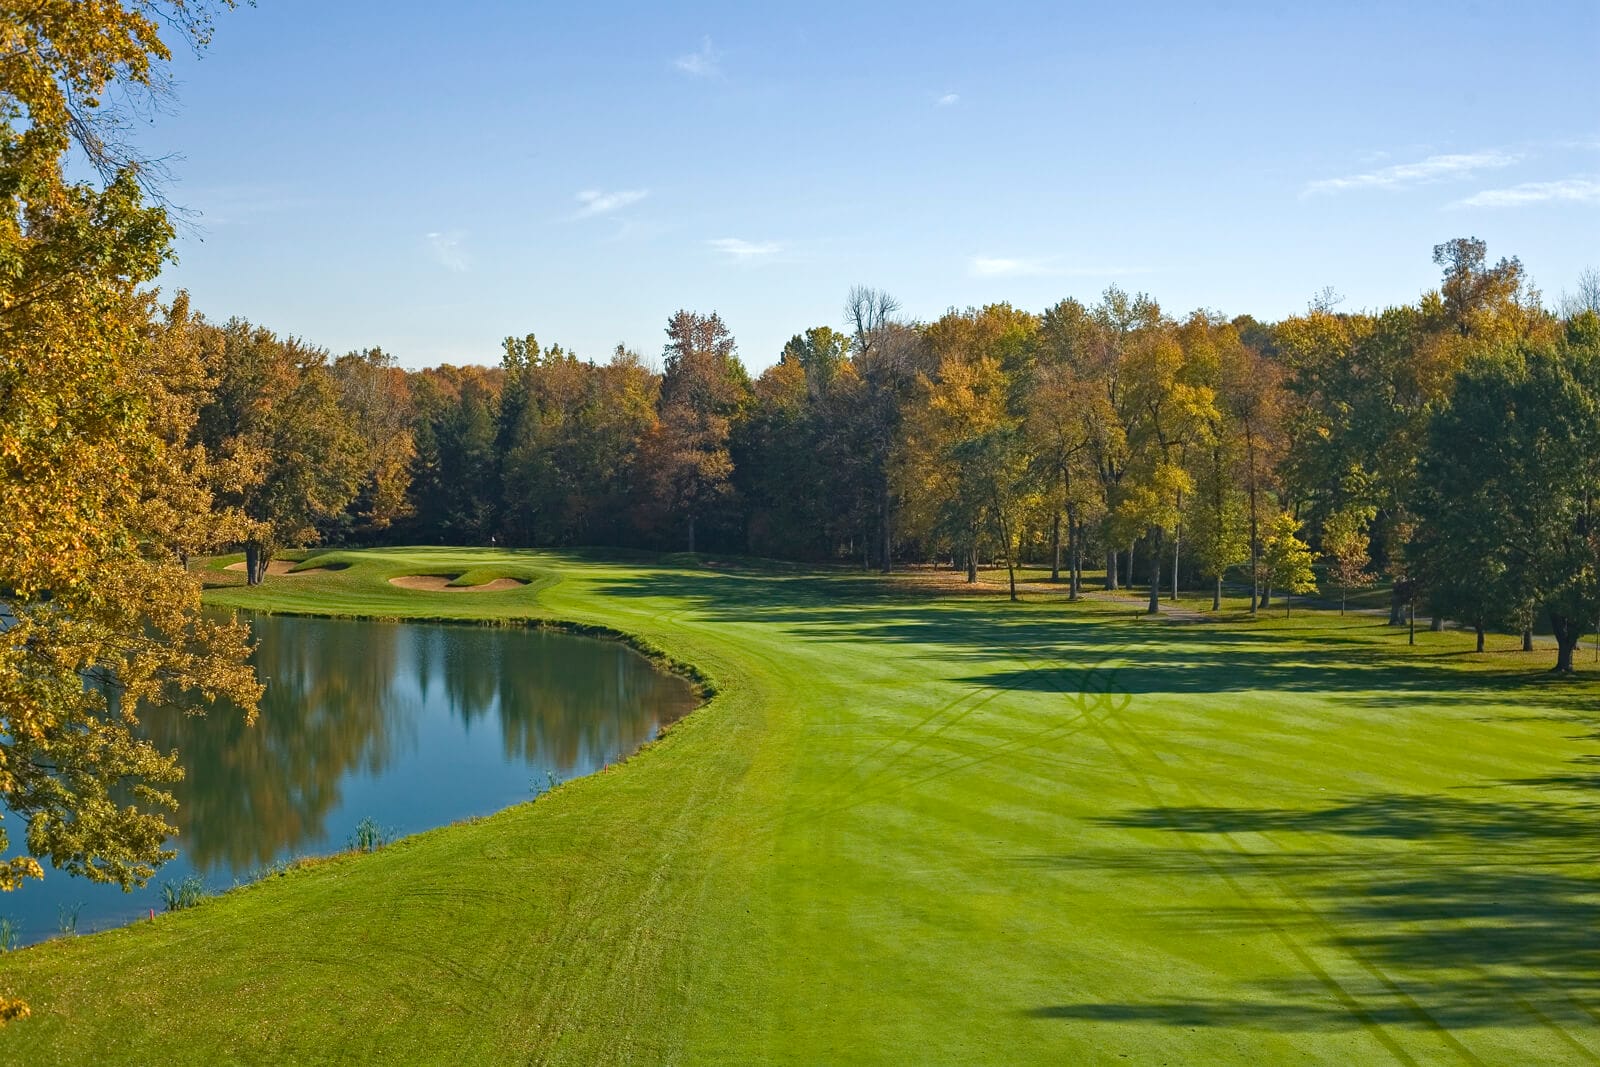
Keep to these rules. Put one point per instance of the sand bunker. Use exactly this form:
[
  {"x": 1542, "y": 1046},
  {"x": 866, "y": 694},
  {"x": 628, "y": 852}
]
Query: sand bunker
[{"x": 440, "y": 583}]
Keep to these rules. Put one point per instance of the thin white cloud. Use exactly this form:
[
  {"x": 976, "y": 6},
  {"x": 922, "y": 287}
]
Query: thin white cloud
[
  {"x": 948, "y": 100},
  {"x": 704, "y": 63},
  {"x": 1424, "y": 171},
  {"x": 1022, "y": 267},
  {"x": 1003, "y": 267},
  {"x": 448, "y": 248},
  {"x": 1566, "y": 190},
  {"x": 741, "y": 251},
  {"x": 597, "y": 202}
]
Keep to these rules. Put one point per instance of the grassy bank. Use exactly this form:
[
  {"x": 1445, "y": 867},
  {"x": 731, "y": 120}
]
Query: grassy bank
[{"x": 922, "y": 824}]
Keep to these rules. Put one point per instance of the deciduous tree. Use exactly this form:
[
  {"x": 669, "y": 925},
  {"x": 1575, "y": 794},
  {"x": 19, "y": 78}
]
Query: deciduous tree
[
  {"x": 1344, "y": 547},
  {"x": 1288, "y": 559},
  {"x": 98, "y": 617}
]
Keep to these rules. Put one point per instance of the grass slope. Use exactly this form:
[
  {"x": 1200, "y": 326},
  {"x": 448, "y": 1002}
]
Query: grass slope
[{"x": 916, "y": 827}]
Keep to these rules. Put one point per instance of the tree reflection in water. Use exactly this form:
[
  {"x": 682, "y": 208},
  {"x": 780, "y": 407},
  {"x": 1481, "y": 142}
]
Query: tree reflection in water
[
  {"x": 345, "y": 701},
  {"x": 555, "y": 709},
  {"x": 252, "y": 793}
]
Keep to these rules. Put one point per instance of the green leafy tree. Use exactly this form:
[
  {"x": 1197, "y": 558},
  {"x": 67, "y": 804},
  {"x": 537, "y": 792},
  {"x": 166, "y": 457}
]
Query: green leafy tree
[
  {"x": 1288, "y": 559},
  {"x": 1218, "y": 516},
  {"x": 1513, "y": 478},
  {"x": 455, "y": 474},
  {"x": 798, "y": 433}
]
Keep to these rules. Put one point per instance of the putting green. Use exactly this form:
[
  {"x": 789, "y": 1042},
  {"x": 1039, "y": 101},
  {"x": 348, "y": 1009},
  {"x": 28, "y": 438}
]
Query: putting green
[{"x": 924, "y": 828}]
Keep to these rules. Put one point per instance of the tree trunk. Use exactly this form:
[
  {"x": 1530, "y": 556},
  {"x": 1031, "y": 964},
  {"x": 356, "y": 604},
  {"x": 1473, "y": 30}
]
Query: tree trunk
[
  {"x": 1397, "y": 604},
  {"x": 256, "y": 558},
  {"x": 1527, "y": 639},
  {"x": 691, "y": 534},
  {"x": 1075, "y": 559},
  {"x": 1255, "y": 549},
  {"x": 1155, "y": 570},
  {"x": 1436, "y": 623},
  {"x": 1111, "y": 570},
  {"x": 1177, "y": 541},
  {"x": 1055, "y": 546},
  {"x": 972, "y": 565},
  {"x": 886, "y": 564},
  {"x": 1216, "y": 595},
  {"x": 1013, "y": 548},
  {"x": 1129, "y": 582},
  {"x": 1478, "y": 629},
  {"x": 1568, "y": 633}
]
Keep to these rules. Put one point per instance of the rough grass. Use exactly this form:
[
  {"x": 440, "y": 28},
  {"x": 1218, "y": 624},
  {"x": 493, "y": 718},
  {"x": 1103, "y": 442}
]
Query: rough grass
[{"x": 922, "y": 827}]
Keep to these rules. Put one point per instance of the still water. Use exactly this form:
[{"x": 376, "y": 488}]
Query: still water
[{"x": 411, "y": 725}]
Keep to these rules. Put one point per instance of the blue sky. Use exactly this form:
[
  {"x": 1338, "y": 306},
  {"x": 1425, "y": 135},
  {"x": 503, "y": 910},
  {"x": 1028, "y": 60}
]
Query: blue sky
[{"x": 431, "y": 178}]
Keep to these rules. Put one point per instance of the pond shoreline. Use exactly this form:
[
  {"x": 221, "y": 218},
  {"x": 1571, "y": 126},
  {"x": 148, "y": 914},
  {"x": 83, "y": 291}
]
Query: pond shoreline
[
  {"x": 521, "y": 715},
  {"x": 704, "y": 686}
]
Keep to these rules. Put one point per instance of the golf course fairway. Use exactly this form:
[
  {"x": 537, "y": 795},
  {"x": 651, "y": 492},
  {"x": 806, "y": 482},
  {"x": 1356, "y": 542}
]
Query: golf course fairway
[{"x": 917, "y": 825}]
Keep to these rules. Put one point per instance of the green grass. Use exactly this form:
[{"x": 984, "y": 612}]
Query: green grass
[{"x": 920, "y": 828}]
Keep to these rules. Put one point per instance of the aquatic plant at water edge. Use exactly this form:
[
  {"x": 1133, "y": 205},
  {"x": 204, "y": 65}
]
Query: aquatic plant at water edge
[
  {"x": 185, "y": 894},
  {"x": 369, "y": 836}
]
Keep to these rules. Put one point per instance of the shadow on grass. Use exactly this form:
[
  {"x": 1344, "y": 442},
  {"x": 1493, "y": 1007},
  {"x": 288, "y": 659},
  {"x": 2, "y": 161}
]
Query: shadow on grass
[
  {"x": 1488, "y": 915},
  {"x": 1442, "y": 911},
  {"x": 1053, "y": 642}
]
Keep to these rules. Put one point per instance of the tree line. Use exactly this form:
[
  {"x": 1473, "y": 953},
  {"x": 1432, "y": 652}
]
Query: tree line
[{"x": 1109, "y": 438}]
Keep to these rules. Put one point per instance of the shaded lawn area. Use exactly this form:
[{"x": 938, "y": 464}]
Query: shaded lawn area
[{"x": 915, "y": 826}]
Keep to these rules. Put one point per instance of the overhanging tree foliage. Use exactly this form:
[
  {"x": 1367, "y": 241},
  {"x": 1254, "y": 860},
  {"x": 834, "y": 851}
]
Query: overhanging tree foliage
[{"x": 101, "y": 490}]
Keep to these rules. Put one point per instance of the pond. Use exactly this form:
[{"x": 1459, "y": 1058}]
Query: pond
[{"x": 408, "y": 725}]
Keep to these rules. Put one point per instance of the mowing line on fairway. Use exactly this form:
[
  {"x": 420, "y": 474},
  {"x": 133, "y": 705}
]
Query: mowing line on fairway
[
  {"x": 1300, "y": 952},
  {"x": 958, "y": 761},
  {"x": 1334, "y": 987},
  {"x": 1190, "y": 795},
  {"x": 918, "y": 737}
]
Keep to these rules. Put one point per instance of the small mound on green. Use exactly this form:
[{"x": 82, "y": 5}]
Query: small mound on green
[{"x": 455, "y": 583}]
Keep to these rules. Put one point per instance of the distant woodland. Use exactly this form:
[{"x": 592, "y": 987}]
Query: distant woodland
[{"x": 1448, "y": 448}]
